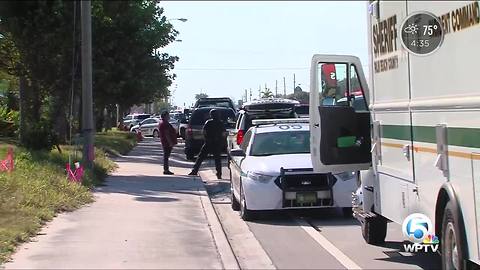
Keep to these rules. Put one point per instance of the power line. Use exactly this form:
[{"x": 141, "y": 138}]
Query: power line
[
  {"x": 248, "y": 68},
  {"x": 239, "y": 69}
]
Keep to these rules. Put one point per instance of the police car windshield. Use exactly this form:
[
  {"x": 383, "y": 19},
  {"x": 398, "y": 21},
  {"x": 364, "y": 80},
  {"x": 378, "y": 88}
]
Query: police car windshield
[{"x": 281, "y": 143}]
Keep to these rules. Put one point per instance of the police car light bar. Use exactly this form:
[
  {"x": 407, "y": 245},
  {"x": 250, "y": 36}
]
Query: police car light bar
[{"x": 258, "y": 122}]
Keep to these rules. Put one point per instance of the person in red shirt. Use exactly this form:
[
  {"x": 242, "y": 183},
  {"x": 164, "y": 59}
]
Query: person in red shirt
[{"x": 168, "y": 138}]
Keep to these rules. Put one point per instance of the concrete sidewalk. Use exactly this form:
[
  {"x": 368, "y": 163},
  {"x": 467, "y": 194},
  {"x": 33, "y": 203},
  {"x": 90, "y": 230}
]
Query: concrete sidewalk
[{"x": 140, "y": 219}]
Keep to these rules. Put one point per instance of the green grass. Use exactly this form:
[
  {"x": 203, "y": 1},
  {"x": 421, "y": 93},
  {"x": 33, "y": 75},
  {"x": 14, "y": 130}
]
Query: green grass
[
  {"x": 38, "y": 188},
  {"x": 115, "y": 142}
]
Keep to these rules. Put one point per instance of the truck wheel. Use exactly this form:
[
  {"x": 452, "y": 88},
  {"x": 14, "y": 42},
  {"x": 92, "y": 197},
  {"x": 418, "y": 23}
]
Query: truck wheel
[
  {"x": 453, "y": 256},
  {"x": 234, "y": 201},
  {"x": 374, "y": 230},
  {"x": 245, "y": 214}
]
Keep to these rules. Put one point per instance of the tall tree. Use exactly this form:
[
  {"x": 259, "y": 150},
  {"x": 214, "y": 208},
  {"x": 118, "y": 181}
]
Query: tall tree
[
  {"x": 128, "y": 67},
  {"x": 200, "y": 95},
  {"x": 267, "y": 93}
]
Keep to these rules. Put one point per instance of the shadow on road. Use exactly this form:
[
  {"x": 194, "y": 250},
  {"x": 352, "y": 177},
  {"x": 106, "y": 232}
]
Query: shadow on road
[
  {"x": 150, "y": 151},
  {"x": 422, "y": 260}
]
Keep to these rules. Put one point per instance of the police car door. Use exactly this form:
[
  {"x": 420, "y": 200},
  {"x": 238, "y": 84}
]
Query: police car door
[{"x": 339, "y": 133}]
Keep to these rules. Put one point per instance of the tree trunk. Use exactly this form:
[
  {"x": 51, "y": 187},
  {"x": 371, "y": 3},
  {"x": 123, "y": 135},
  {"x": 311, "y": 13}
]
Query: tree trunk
[
  {"x": 59, "y": 117},
  {"x": 22, "y": 93},
  {"x": 30, "y": 124},
  {"x": 109, "y": 121},
  {"x": 99, "y": 117}
]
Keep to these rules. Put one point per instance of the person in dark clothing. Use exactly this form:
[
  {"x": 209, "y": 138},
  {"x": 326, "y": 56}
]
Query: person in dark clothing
[
  {"x": 168, "y": 138},
  {"x": 215, "y": 136}
]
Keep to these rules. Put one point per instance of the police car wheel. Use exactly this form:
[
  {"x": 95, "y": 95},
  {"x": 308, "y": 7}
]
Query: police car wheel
[
  {"x": 234, "y": 201},
  {"x": 453, "y": 256},
  {"x": 245, "y": 214},
  {"x": 374, "y": 230}
]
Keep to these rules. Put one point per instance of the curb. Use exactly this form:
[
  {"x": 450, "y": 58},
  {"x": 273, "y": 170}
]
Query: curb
[{"x": 228, "y": 259}]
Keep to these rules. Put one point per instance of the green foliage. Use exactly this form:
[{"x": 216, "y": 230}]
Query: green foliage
[
  {"x": 201, "y": 95},
  {"x": 136, "y": 71},
  {"x": 9, "y": 121},
  {"x": 39, "y": 136},
  {"x": 38, "y": 187},
  {"x": 267, "y": 93},
  {"x": 40, "y": 41}
]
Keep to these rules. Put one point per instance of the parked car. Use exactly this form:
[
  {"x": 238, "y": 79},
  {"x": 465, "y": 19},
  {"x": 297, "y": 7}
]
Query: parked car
[
  {"x": 184, "y": 123},
  {"x": 272, "y": 170},
  {"x": 358, "y": 103},
  {"x": 215, "y": 102},
  {"x": 133, "y": 119},
  {"x": 150, "y": 126},
  {"x": 302, "y": 110},
  {"x": 180, "y": 121},
  {"x": 194, "y": 137},
  {"x": 270, "y": 108}
]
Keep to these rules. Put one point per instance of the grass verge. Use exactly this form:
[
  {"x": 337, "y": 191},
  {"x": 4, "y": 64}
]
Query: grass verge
[{"x": 38, "y": 187}]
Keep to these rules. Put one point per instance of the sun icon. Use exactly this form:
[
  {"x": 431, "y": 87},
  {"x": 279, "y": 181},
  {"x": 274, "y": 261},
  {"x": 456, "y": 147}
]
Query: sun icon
[{"x": 411, "y": 29}]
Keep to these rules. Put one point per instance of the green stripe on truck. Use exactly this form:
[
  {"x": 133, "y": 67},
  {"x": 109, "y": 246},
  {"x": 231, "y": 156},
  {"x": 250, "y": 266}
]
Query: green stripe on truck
[{"x": 465, "y": 137}]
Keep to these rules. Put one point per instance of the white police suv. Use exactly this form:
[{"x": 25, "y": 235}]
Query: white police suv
[{"x": 272, "y": 170}]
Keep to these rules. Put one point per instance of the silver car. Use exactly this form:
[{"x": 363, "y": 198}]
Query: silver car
[{"x": 148, "y": 127}]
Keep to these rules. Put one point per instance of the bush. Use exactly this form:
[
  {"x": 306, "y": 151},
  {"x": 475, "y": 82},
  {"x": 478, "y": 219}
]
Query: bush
[
  {"x": 9, "y": 121},
  {"x": 38, "y": 136}
]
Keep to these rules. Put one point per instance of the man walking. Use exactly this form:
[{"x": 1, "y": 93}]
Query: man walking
[
  {"x": 215, "y": 135},
  {"x": 168, "y": 138}
]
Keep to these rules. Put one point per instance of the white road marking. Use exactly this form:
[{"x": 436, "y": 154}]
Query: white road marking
[{"x": 327, "y": 245}]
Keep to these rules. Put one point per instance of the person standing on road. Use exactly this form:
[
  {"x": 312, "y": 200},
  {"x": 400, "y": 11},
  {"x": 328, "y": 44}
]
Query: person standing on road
[
  {"x": 168, "y": 138},
  {"x": 215, "y": 135}
]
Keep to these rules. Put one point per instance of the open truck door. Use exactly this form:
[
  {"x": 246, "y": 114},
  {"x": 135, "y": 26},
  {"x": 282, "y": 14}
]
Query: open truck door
[{"x": 339, "y": 116}]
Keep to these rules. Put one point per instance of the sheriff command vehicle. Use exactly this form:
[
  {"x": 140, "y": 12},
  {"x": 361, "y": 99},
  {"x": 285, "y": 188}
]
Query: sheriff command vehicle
[{"x": 416, "y": 143}]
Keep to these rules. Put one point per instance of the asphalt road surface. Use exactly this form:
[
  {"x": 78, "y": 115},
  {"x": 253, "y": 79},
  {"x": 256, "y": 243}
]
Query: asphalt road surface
[
  {"x": 135, "y": 224},
  {"x": 310, "y": 239}
]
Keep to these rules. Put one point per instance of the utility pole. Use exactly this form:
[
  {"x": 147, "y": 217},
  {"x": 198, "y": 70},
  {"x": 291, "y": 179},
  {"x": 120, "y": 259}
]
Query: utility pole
[
  {"x": 259, "y": 91},
  {"x": 250, "y": 94},
  {"x": 87, "y": 102},
  {"x": 284, "y": 88},
  {"x": 246, "y": 97},
  {"x": 294, "y": 82},
  {"x": 276, "y": 86}
]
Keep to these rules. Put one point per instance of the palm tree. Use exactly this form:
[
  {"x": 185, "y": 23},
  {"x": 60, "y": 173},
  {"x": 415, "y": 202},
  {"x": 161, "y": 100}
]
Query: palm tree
[{"x": 267, "y": 93}]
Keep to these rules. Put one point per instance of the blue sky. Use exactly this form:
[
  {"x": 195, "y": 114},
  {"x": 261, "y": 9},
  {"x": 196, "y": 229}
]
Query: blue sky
[{"x": 228, "y": 47}]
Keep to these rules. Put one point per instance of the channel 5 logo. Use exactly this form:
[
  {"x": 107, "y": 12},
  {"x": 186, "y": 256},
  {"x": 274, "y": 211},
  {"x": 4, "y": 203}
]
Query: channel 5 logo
[{"x": 418, "y": 229}]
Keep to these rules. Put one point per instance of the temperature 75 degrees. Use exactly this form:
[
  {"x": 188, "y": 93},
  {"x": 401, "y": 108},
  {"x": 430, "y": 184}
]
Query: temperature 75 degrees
[{"x": 428, "y": 29}]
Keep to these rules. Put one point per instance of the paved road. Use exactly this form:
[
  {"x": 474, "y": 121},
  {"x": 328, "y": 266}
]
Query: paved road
[
  {"x": 321, "y": 239},
  {"x": 318, "y": 239}
]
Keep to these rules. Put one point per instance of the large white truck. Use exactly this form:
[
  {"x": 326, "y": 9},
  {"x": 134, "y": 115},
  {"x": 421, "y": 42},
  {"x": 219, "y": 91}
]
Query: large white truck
[{"x": 417, "y": 146}]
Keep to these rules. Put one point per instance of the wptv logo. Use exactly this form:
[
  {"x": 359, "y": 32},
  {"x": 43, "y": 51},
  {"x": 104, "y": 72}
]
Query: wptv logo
[{"x": 418, "y": 229}]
